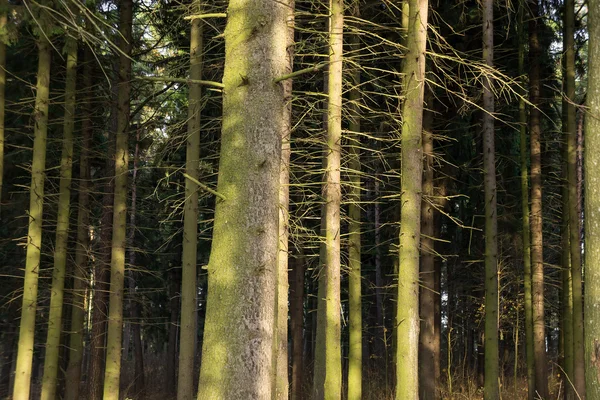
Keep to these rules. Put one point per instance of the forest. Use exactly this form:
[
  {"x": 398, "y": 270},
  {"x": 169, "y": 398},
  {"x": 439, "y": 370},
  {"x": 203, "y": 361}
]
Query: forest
[{"x": 299, "y": 199}]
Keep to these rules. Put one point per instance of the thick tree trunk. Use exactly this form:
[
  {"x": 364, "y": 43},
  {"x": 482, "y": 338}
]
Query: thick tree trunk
[
  {"x": 23, "y": 370},
  {"x": 280, "y": 350},
  {"x": 355, "y": 356},
  {"x": 242, "y": 271},
  {"x": 491, "y": 386},
  {"x": 119, "y": 238},
  {"x": 537, "y": 259},
  {"x": 407, "y": 316},
  {"x": 55, "y": 322},
  {"x": 592, "y": 208},
  {"x": 187, "y": 335}
]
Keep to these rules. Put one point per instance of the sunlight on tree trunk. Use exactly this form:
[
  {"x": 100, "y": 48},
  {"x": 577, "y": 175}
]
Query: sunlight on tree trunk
[
  {"x": 407, "y": 316},
  {"x": 242, "y": 271},
  {"x": 51, "y": 367},
  {"x": 22, "y": 382}
]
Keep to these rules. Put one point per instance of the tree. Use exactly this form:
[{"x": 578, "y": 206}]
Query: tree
[
  {"x": 55, "y": 322},
  {"x": 3, "y": 43},
  {"x": 119, "y": 238},
  {"x": 242, "y": 271},
  {"x": 82, "y": 246},
  {"x": 185, "y": 383},
  {"x": 592, "y": 208},
  {"x": 355, "y": 355},
  {"x": 574, "y": 225},
  {"x": 491, "y": 388},
  {"x": 36, "y": 207},
  {"x": 407, "y": 316},
  {"x": 537, "y": 260}
]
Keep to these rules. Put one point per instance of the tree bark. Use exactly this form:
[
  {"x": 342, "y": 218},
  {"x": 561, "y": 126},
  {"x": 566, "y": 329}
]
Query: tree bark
[
  {"x": 242, "y": 270},
  {"x": 296, "y": 324},
  {"x": 427, "y": 373},
  {"x": 119, "y": 238},
  {"x": 55, "y": 322},
  {"x": 491, "y": 386},
  {"x": 23, "y": 372},
  {"x": 187, "y": 338},
  {"x": 592, "y": 208},
  {"x": 355, "y": 356},
  {"x": 537, "y": 259},
  {"x": 3, "y": 42},
  {"x": 407, "y": 317},
  {"x": 280, "y": 359}
]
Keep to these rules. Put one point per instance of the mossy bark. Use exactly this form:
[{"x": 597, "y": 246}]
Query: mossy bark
[
  {"x": 491, "y": 390},
  {"x": 51, "y": 367},
  {"x": 187, "y": 338},
  {"x": 407, "y": 316},
  {"x": 242, "y": 271},
  {"x": 119, "y": 239},
  {"x": 22, "y": 382}
]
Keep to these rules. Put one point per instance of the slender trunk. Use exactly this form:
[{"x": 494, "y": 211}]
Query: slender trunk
[
  {"x": 592, "y": 208},
  {"x": 34, "y": 236},
  {"x": 174, "y": 284},
  {"x": 296, "y": 324},
  {"x": 574, "y": 224},
  {"x": 187, "y": 338},
  {"x": 138, "y": 351},
  {"x": 427, "y": 375},
  {"x": 51, "y": 367},
  {"x": 3, "y": 41},
  {"x": 355, "y": 356},
  {"x": 491, "y": 386},
  {"x": 407, "y": 316},
  {"x": 119, "y": 238},
  {"x": 73, "y": 377},
  {"x": 280, "y": 349},
  {"x": 528, "y": 303},
  {"x": 567, "y": 284},
  {"x": 242, "y": 270},
  {"x": 537, "y": 259}
]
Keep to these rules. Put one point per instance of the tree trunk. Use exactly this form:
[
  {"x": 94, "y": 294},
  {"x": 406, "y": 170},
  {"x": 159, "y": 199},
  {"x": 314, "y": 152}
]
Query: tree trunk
[
  {"x": 427, "y": 374},
  {"x": 174, "y": 284},
  {"x": 280, "y": 350},
  {"x": 592, "y": 208},
  {"x": 23, "y": 370},
  {"x": 407, "y": 317},
  {"x": 355, "y": 356},
  {"x": 187, "y": 338},
  {"x": 296, "y": 324},
  {"x": 528, "y": 303},
  {"x": 242, "y": 270},
  {"x": 55, "y": 322},
  {"x": 574, "y": 224},
  {"x": 3, "y": 41},
  {"x": 537, "y": 259},
  {"x": 491, "y": 387},
  {"x": 119, "y": 237},
  {"x": 73, "y": 377},
  {"x": 138, "y": 351}
]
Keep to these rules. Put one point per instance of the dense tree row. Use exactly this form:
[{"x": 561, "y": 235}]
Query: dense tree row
[{"x": 269, "y": 200}]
